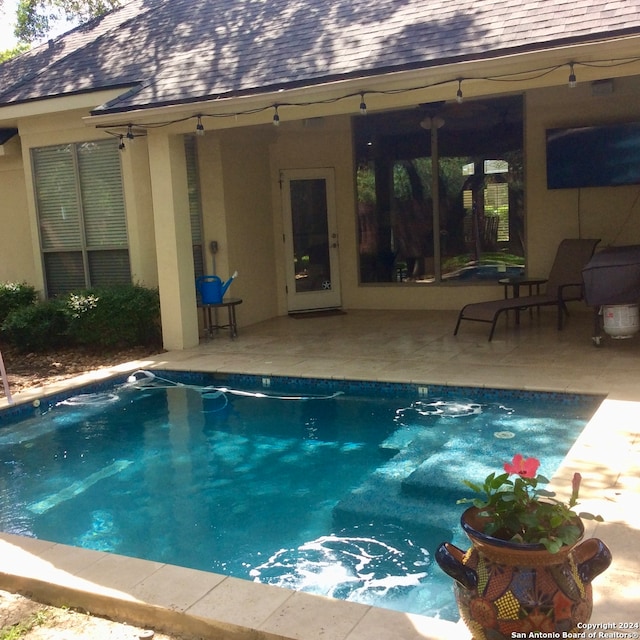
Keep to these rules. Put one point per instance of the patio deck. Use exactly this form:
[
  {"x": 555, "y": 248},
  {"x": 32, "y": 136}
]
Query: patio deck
[{"x": 416, "y": 346}]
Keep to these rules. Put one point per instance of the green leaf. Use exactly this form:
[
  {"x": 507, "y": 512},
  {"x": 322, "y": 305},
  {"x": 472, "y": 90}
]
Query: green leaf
[
  {"x": 497, "y": 481},
  {"x": 551, "y": 545},
  {"x": 589, "y": 516},
  {"x": 472, "y": 485}
]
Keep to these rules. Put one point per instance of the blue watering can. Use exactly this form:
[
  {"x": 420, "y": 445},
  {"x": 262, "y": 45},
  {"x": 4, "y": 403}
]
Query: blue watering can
[{"x": 212, "y": 289}]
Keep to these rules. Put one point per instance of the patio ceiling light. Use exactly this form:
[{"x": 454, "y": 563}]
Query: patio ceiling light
[
  {"x": 199, "y": 127},
  {"x": 363, "y": 105}
]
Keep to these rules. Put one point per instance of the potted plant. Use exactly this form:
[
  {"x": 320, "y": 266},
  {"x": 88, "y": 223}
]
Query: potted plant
[{"x": 528, "y": 569}]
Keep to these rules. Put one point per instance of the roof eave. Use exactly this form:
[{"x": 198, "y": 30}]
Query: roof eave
[
  {"x": 433, "y": 80},
  {"x": 11, "y": 112}
]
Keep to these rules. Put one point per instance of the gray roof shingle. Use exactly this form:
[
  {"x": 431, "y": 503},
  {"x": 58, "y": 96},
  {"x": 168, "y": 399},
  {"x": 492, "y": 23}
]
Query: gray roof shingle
[{"x": 174, "y": 51}]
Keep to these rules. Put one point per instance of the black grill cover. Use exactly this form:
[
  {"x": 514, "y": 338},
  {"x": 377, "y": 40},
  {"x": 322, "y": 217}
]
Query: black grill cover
[{"x": 612, "y": 276}]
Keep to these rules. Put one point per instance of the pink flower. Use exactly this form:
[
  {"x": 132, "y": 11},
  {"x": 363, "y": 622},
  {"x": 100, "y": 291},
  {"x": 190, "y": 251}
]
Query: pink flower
[{"x": 525, "y": 467}]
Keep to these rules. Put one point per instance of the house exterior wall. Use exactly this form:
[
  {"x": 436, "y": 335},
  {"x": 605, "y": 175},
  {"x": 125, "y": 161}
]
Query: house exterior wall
[
  {"x": 136, "y": 178},
  {"x": 611, "y": 214},
  {"x": 18, "y": 209},
  {"x": 17, "y": 261},
  {"x": 249, "y": 220},
  {"x": 240, "y": 170}
]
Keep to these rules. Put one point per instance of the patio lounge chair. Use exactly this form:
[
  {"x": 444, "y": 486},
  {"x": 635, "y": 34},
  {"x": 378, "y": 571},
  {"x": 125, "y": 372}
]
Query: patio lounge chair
[{"x": 563, "y": 285}]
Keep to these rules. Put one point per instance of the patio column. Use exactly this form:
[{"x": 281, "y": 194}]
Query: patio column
[{"x": 167, "y": 164}]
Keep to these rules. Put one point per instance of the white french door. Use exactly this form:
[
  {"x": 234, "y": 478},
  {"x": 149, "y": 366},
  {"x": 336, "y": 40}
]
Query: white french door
[{"x": 311, "y": 239}]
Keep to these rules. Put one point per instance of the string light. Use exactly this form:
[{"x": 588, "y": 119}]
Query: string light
[
  {"x": 521, "y": 76},
  {"x": 363, "y": 105},
  {"x": 199, "y": 127}
]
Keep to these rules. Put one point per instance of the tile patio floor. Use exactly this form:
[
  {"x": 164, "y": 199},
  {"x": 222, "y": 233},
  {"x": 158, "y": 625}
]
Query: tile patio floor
[{"x": 416, "y": 346}]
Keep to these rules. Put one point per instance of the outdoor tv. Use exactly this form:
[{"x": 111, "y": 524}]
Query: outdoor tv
[{"x": 598, "y": 156}]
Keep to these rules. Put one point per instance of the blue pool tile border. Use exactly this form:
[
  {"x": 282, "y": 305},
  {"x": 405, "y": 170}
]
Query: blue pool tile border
[{"x": 319, "y": 386}]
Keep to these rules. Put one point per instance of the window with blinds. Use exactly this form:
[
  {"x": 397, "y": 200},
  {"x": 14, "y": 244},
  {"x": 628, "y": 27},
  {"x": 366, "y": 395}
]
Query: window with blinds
[
  {"x": 81, "y": 215},
  {"x": 195, "y": 203}
]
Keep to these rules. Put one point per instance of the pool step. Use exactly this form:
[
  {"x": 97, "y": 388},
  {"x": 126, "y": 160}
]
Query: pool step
[
  {"x": 383, "y": 496},
  {"x": 380, "y": 499},
  {"x": 422, "y": 482},
  {"x": 441, "y": 475}
]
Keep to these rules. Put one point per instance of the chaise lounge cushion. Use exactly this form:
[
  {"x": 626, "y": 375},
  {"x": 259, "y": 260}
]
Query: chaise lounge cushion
[{"x": 564, "y": 285}]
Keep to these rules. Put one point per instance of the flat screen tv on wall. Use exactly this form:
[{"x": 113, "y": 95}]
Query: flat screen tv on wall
[{"x": 598, "y": 156}]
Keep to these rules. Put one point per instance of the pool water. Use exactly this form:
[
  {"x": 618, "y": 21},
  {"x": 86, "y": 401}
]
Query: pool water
[{"x": 345, "y": 493}]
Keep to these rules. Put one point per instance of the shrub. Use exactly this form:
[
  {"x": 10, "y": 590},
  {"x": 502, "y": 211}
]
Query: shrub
[
  {"x": 14, "y": 295},
  {"x": 114, "y": 317},
  {"x": 38, "y": 327}
]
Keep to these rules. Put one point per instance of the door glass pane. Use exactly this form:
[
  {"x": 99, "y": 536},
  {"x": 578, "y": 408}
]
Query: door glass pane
[{"x": 310, "y": 235}]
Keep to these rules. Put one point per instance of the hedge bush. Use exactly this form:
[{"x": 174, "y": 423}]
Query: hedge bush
[
  {"x": 104, "y": 318},
  {"x": 115, "y": 317},
  {"x": 38, "y": 327},
  {"x": 14, "y": 295}
]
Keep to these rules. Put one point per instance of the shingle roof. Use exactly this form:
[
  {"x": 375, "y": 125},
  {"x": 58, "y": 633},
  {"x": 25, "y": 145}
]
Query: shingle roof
[{"x": 174, "y": 51}]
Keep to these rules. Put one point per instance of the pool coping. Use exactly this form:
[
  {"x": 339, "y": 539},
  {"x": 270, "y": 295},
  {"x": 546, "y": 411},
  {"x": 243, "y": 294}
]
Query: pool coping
[{"x": 187, "y": 601}]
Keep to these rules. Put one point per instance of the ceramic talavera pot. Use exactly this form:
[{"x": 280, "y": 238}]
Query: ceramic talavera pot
[{"x": 505, "y": 587}]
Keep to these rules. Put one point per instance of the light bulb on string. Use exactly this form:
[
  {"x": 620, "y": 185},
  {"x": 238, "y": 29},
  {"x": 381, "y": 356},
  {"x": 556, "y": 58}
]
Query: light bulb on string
[
  {"x": 363, "y": 105},
  {"x": 276, "y": 117},
  {"x": 573, "y": 82},
  {"x": 199, "y": 127},
  {"x": 459, "y": 92}
]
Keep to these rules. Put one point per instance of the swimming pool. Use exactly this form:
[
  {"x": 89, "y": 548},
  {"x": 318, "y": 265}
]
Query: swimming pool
[{"x": 331, "y": 487}]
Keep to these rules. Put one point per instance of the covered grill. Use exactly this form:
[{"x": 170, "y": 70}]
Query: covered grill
[{"x": 612, "y": 285}]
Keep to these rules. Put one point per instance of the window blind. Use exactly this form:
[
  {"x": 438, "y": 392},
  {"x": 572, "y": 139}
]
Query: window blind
[{"x": 81, "y": 215}]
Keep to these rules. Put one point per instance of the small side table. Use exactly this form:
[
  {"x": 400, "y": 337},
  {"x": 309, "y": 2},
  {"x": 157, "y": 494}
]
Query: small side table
[
  {"x": 212, "y": 325},
  {"x": 521, "y": 281}
]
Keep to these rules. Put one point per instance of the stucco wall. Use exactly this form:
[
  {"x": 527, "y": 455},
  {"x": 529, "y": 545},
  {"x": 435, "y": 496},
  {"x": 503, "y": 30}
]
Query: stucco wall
[
  {"x": 248, "y": 218},
  {"x": 17, "y": 261},
  {"x": 611, "y": 214},
  {"x": 139, "y": 205},
  {"x": 20, "y": 249}
]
